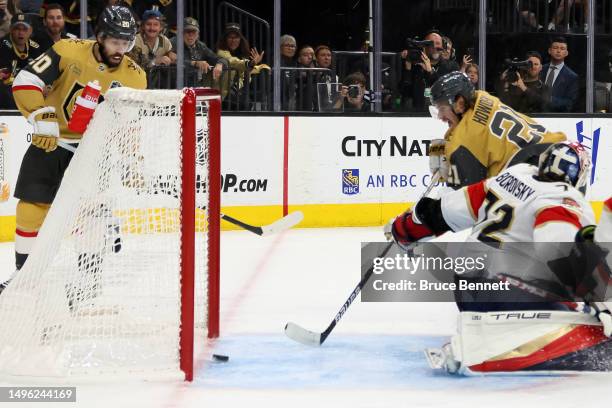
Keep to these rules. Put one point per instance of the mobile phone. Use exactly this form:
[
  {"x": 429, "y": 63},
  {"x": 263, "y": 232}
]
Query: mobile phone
[{"x": 470, "y": 52}]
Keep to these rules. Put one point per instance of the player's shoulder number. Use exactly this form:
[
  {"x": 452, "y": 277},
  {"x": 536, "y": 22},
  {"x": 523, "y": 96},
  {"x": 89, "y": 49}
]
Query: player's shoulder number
[
  {"x": 506, "y": 123},
  {"x": 41, "y": 63}
]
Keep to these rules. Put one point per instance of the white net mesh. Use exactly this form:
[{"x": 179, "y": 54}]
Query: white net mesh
[{"x": 100, "y": 292}]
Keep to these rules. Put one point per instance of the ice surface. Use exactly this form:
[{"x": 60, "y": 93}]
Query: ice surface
[{"x": 372, "y": 359}]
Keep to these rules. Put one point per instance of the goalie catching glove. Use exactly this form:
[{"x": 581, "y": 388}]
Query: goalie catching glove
[{"x": 46, "y": 128}]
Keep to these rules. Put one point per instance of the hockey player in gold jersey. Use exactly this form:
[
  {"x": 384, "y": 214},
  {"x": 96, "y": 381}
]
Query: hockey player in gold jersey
[
  {"x": 484, "y": 135},
  {"x": 66, "y": 68}
]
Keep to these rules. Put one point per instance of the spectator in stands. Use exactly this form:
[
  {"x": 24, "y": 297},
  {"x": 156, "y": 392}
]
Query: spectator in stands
[
  {"x": 288, "y": 48},
  {"x": 530, "y": 11},
  {"x": 72, "y": 15},
  {"x": 323, "y": 59},
  {"x": 54, "y": 25},
  {"x": 243, "y": 61},
  {"x": 525, "y": 92},
  {"x": 559, "y": 78},
  {"x": 5, "y": 18},
  {"x": 306, "y": 79},
  {"x": 151, "y": 47},
  {"x": 471, "y": 70},
  {"x": 561, "y": 15},
  {"x": 416, "y": 77},
  {"x": 199, "y": 60},
  {"x": 448, "y": 53},
  {"x": 288, "y": 77},
  {"x": 166, "y": 7},
  {"x": 16, "y": 51},
  {"x": 306, "y": 57},
  {"x": 353, "y": 91}
]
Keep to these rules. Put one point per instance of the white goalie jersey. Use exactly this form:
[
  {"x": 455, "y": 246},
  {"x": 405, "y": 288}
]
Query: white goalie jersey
[{"x": 516, "y": 207}]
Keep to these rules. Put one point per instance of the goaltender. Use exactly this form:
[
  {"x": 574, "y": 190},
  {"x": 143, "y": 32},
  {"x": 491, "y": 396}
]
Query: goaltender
[{"x": 66, "y": 68}]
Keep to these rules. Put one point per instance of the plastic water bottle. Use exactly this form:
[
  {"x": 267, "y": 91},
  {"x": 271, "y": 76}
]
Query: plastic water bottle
[{"x": 84, "y": 107}]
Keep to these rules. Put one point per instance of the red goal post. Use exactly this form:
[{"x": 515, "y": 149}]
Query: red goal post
[{"x": 188, "y": 209}]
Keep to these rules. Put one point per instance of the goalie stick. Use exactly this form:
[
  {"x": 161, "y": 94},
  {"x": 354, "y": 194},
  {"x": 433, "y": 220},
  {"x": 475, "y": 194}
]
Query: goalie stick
[{"x": 301, "y": 335}]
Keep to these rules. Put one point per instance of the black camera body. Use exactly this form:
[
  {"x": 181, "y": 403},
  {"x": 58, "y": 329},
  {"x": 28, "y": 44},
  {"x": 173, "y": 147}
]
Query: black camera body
[
  {"x": 415, "y": 47},
  {"x": 514, "y": 65},
  {"x": 353, "y": 91}
]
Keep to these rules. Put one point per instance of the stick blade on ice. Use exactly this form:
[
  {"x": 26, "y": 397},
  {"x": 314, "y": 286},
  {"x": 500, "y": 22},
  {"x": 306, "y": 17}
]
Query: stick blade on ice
[
  {"x": 284, "y": 223},
  {"x": 301, "y": 335}
]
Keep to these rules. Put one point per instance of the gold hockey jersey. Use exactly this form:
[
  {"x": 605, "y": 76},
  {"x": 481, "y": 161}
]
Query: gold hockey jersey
[
  {"x": 490, "y": 137},
  {"x": 66, "y": 68}
]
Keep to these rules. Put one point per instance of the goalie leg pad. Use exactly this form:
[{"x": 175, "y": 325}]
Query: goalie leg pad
[{"x": 530, "y": 342}]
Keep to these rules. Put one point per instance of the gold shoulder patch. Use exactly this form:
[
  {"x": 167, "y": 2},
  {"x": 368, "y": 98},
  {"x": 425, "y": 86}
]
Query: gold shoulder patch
[{"x": 133, "y": 65}]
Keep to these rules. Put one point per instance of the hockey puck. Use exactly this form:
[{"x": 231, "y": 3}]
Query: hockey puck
[{"x": 220, "y": 357}]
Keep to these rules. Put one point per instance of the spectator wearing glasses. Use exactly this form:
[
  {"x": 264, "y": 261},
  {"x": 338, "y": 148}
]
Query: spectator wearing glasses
[{"x": 288, "y": 48}]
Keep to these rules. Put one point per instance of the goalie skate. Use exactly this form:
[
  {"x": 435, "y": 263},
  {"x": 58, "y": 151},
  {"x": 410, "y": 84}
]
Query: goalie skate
[{"x": 442, "y": 359}]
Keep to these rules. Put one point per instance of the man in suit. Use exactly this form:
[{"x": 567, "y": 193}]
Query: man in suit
[{"x": 562, "y": 81}]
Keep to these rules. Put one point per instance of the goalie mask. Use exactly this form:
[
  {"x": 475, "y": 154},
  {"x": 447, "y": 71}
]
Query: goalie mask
[
  {"x": 117, "y": 22},
  {"x": 566, "y": 162}
]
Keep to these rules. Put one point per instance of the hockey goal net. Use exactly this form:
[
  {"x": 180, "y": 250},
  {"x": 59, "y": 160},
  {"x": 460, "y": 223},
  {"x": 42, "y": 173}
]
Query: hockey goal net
[{"x": 108, "y": 289}]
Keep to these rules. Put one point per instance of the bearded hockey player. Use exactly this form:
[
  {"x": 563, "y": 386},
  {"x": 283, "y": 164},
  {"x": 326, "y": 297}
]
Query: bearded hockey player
[
  {"x": 550, "y": 207},
  {"x": 484, "y": 135},
  {"x": 66, "y": 68}
]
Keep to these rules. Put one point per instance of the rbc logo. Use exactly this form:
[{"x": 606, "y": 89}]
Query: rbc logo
[{"x": 350, "y": 181}]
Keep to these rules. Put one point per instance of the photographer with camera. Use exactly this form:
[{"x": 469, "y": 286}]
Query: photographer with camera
[
  {"x": 353, "y": 92},
  {"x": 520, "y": 85},
  {"x": 422, "y": 65}
]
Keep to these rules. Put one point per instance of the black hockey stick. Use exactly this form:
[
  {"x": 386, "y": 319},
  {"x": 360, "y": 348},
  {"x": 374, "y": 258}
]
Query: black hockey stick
[
  {"x": 279, "y": 225},
  {"x": 310, "y": 338}
]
